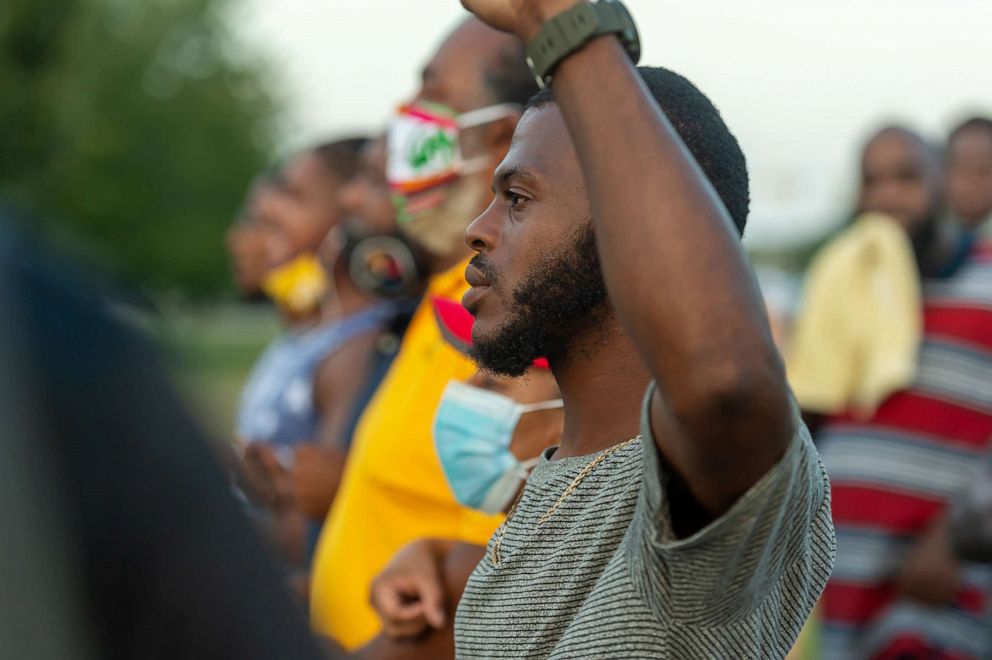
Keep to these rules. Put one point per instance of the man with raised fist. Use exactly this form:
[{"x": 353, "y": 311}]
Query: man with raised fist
[{"x": 612, "y": 247}]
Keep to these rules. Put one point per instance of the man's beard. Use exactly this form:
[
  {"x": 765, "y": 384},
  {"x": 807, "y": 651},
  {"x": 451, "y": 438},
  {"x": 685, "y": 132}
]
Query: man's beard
[{"x": 554, "y": 307}]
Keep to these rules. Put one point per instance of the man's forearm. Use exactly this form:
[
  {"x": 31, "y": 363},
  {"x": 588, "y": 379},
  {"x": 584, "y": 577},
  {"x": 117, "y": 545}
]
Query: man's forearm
[
  {"x": 671, "y": 256},
  {"x": 677, "y": 278}
]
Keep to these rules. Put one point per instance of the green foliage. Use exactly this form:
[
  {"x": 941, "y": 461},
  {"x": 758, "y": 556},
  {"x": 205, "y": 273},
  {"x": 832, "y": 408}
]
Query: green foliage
[{"x": 133, "y": 127}]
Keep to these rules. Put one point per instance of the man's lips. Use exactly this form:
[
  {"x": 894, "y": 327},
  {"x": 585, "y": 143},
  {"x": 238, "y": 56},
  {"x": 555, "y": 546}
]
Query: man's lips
[
  {"x": 479, "y": 283},
  {"x": 475, "y": 277}
]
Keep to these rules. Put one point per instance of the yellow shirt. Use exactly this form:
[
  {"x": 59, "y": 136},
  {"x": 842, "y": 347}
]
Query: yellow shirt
[
  {"x": 393, "y": 490},
  {"x": 858, "y": 337}
]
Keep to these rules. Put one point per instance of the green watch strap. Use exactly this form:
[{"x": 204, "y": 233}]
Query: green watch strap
[{"x": 570, "y": 30}]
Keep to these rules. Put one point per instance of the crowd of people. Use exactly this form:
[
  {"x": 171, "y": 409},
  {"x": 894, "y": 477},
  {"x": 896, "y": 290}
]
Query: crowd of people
[
  {"x": 388, "y": 433},
  {"x": 526, "y": 400}
]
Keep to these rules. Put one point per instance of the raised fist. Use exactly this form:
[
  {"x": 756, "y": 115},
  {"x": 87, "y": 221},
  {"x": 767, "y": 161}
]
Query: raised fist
[{"x": 523, "y": 18}]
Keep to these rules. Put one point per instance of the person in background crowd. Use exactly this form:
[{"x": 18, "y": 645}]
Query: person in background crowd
[
  {"x": 968, "y": 174},
  {"x": 246, "y": 241},
  {"x": 304, "y": 387},
  {"x": 123, "y": 539},
  {"x": 858, "y": 336},
  {"x": 897, "y": 590},
  {"x": 488, "y": 432},
  {"x": 368, "y": 212},
  {"x": 393, "y": 490}
]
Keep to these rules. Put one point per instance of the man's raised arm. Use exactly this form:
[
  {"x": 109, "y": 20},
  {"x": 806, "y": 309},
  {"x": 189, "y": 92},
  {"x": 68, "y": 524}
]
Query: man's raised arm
[{"x": 673, "y": 266}]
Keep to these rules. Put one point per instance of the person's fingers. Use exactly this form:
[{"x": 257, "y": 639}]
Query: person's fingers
[
  {"x": 431, "y": 593},
  {"x": 399, "y": 607},
  {"x": 269, "y": 460},
  {"x": 388, "y": 598},
  {"x": 255, "y": 475}
]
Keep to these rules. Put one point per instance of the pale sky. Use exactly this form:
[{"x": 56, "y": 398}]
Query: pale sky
[{"x": 800, "y": 83}]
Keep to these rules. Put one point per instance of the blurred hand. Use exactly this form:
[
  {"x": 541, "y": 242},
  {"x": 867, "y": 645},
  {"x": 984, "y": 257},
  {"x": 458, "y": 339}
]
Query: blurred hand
[
  {"x": 523, "y": 18},
  {"x": 408, "y": 594},
  {"x": 316, "y": 474},
  {"x": 931, "y": 574},
  {"x": 268, "y": 483}
]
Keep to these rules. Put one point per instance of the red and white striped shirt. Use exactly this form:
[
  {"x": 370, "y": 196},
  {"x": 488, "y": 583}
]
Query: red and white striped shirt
[{"x": 891, "y": 475}]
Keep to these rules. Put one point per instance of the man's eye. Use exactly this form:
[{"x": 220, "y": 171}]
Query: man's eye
[{"x": 515, "y": 199}]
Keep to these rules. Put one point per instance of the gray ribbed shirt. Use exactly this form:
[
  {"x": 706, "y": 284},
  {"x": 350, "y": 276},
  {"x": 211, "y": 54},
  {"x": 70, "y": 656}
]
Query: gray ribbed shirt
[{"x": 605, "y": 577}]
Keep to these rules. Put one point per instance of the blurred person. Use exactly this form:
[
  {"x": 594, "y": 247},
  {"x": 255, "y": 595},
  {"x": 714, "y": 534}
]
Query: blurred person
[
  {"x": 857, "y": 339},
  {"x": 900, "y": 178},
  {"x": 707, "y": 534},
  {"x": 488, "y": 432},
  {"x": 305, "y": 386},
  {"x": 897, "y": 590},
  {"x": 246, "y": 241},
  {"x": 369, "y": 217},
  {"x": 968, "y": 174},
  {"x": 123, "y": 540},
  {"x": 393, "y": 490}
]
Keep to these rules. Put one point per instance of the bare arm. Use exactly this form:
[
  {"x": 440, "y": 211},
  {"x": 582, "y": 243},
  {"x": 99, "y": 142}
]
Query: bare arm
[
  {"x": 338, "y": 384},
  {"x": 674, "y": 268}
]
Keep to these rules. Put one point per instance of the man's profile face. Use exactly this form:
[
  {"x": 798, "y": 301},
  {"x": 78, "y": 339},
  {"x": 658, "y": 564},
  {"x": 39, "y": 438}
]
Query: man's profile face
[
  {"x": 968, "y": 176},
  {"x": 536, "y": 278},
  {"x": 456, "y": 77},
  {"x": 307, "y": 206},
  {"x": 365, "y": 199},
  {"x": 898, "y": 178}
]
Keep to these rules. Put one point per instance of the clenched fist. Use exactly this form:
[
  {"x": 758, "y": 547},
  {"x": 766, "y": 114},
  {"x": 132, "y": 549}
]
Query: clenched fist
[
  {"x": 523, "y": 18},
  {"x": 409, "y": 593}
]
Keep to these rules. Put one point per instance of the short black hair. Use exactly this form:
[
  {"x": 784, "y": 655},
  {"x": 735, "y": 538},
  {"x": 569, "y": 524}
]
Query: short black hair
[
  {"x": 972, "y": 123},
  {"x": 702, "y": 129},
  {"x": 340, "y": 157},
  {"x": 507, "y": 75}
]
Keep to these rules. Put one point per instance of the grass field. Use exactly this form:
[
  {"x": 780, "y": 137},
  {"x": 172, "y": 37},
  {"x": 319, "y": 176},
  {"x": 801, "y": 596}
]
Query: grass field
[{"x": 211, "y": 351}]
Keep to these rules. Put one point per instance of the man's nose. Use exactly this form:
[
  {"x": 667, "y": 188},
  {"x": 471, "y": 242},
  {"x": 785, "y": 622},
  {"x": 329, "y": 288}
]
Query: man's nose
[
  {"x": 483, "y": 233},
  {"x": 351, "y": 195}
]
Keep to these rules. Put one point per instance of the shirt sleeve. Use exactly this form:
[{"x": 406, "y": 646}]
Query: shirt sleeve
[{"x": 768, "y": 557}]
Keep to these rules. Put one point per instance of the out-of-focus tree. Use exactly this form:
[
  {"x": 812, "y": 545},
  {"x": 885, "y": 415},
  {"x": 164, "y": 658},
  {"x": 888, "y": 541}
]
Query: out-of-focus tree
[{"x": 136, "y": 126}]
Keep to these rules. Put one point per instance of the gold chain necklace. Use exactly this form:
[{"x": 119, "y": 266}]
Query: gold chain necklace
[{"x": 583, "y": 473}]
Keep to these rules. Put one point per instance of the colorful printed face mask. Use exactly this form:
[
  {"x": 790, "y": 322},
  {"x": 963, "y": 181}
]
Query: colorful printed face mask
[
  {"x": 297, "y": 286},
  {"x": 472, "y": 432},
  {"x": 434, "y": 200}
]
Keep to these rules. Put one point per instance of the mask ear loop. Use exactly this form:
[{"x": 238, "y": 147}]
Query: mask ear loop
[
  {"x": 486, "y": 115},
  {"x": 480, "y": 117},
  {"x": 542, "y": 405}
]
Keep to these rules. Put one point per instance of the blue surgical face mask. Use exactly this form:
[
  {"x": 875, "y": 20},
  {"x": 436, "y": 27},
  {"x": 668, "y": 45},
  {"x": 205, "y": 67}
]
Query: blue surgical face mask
[{"x": 472, "y": 433}]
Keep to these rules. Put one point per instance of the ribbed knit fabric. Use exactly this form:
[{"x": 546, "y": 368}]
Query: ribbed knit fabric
[{"x": 605, "y": 577}]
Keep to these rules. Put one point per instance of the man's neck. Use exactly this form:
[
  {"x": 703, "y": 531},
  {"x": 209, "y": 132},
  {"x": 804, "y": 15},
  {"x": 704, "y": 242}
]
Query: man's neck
[
  {"x": 938, "y": 249},
  {"x": 602, "y": 383}
]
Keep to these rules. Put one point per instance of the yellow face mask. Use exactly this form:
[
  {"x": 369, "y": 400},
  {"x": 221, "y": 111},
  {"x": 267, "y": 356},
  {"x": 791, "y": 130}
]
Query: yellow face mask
[{"x": 298, "y": 285}]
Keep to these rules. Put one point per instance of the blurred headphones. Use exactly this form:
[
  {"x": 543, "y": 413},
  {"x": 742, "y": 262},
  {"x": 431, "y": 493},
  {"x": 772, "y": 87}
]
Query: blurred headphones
[{"x": 386, "y": 265}]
